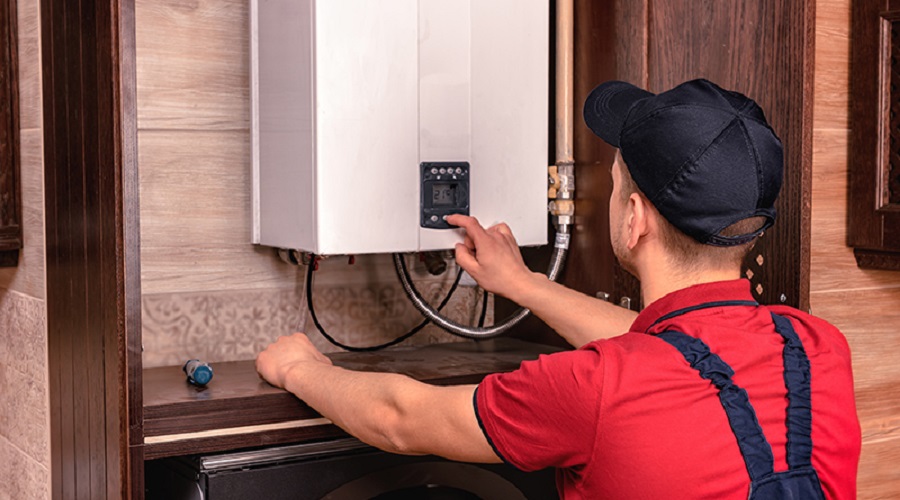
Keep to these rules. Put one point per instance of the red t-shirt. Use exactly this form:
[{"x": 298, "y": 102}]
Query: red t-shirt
[{"x": 628, "y": 417}]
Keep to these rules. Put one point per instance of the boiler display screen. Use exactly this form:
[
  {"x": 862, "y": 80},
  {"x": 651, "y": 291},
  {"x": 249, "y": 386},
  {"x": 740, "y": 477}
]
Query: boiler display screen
[
  {"x": 444, "y": 191},
  {"x": 443, "y": 194}
]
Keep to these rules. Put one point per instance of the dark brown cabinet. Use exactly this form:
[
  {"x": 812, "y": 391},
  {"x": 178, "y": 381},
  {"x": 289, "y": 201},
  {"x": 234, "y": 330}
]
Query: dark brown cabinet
[
  {"x": 874, "y": 197},
  {"x": 10, "y": 198},
  {"x": 762, "y": 48}
]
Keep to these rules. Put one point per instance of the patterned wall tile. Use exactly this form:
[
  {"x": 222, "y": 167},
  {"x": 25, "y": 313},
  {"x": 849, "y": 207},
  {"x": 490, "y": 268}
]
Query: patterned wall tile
[
  {"x": 228, "y": 326},
  {"x": 216, "y": 326},
  {"x": 24, "y": 334},
  {"x": 21, "y": 477},
  {"x": 26, "y": 422},
  {"x": 363, "y": 316},
  {"x": 24, "y": 407}
]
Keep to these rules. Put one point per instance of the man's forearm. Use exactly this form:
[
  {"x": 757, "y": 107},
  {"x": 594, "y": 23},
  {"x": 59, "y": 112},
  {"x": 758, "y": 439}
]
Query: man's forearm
[
  {"x": 365, "y": 405},
  {"x": 394, "y": 412},
  {"x": 575, "y": 316}
]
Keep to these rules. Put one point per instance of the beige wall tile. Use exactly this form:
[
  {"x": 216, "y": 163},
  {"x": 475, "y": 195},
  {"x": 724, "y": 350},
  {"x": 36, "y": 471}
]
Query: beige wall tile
[
  {"x": 28, "y": 276},
  {"x": 192, "y": 64},
  {"x": 24, "y": 404},
  {"x": 21, "y": 478},
  {"x": 24, "y": 333},
  {"x": 29, "y": 64}
]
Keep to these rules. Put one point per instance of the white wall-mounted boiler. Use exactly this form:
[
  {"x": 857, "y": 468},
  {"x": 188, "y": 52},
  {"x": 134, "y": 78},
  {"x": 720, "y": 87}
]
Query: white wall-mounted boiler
[{"x": 373, "y": 119}]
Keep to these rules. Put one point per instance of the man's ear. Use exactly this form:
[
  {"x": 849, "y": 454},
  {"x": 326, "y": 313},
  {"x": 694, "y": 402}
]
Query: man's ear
[{"x": 637, "y": 215}]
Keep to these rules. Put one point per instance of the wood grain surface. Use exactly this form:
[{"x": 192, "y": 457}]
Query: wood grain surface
[
  {"x": 93, "y": 272},
  {"x": 863, "y": 303},
  {"x": 236, "y": 397}
]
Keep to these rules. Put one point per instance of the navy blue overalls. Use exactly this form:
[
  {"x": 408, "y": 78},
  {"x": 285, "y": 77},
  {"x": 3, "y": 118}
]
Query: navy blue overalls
[{"x": 800, "y": 480}]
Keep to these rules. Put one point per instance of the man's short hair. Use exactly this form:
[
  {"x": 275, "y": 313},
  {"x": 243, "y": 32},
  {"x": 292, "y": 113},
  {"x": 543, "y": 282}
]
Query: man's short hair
[{"x": 685, "y": 251}]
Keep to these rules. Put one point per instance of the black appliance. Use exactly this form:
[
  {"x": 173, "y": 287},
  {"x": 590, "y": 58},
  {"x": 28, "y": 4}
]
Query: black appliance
[{"x": 343, "y": 469}]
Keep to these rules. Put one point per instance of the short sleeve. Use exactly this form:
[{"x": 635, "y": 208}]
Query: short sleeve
[{"x": 545, "y": 414}]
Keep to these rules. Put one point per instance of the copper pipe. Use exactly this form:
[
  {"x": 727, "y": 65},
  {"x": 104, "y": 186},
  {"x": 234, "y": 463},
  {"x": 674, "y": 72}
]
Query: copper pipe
[{"x": 565, "y": 55}]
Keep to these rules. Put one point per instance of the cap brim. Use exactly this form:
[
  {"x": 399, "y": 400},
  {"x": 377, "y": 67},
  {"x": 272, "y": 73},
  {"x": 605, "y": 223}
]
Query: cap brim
[{"x": 607, "y": 107}]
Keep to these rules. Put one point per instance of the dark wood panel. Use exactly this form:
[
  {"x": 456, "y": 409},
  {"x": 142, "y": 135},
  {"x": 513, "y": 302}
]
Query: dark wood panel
[
  {"x": 92, "y": 275},
  {"x": 591, "y": 257},
  {"x": 237, "y": 397},
  {"x": 873, "y": 219},
  {"x": 10, "y": 193},
  {"x": 764, "y": 49}
]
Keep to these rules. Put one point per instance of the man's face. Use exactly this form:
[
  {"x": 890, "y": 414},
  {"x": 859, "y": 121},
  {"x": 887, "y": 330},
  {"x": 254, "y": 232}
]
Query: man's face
[{"x": 617, "y": 205}]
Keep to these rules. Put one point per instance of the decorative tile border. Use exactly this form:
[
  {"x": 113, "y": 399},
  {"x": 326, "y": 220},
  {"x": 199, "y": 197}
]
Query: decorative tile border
[{"x": 229, "y": 326}]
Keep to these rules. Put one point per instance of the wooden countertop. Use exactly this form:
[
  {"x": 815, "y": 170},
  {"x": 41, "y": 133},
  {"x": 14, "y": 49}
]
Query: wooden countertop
[{"x": 238, "y": 409}]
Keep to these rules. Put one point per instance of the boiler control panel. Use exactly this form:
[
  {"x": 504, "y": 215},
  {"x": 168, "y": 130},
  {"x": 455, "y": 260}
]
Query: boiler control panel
[{"x": 444, "y": 191}]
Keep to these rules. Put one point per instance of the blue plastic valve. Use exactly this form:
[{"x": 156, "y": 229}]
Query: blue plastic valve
[{"x": 198, "y": 373}]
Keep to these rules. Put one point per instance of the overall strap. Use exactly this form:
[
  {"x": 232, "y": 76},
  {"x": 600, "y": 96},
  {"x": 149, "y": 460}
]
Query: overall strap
[
  {"x": 756, "y": 451},
  {"x": 799, "y": 410},
  {"x": 754, "y": 448}
]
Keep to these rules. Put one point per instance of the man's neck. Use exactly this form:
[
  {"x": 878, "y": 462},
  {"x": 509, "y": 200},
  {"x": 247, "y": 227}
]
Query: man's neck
[{"x": 665, "y": 281}]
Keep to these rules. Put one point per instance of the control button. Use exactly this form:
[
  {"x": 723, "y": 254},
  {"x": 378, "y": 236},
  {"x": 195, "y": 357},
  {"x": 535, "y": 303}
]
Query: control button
[
  {"x": 458, "y": 170},
  {"x": 434, "y": 170},
  {"x": 434, "y": 218},
  {"x": 444, "y": 217},
  {"x": 443, "y": 170}
]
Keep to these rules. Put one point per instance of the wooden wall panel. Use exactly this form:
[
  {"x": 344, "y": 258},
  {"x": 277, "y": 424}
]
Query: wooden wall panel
[
  {"x": 833, "y": 264},
  {"x": 879, "y": 475},
  {"x": 832, "y": 81},
  {"x": 193, "y": 64},
  {"x": 863, "y": 303}
]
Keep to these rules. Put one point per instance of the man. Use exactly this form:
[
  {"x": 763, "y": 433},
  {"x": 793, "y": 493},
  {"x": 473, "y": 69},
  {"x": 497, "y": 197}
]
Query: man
[{"x": 708, "y": 395}]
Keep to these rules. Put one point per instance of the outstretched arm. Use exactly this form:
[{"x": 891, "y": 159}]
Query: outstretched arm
[
  {"x": 492, "y": 257},
  {"x": 389, "y": 411}
]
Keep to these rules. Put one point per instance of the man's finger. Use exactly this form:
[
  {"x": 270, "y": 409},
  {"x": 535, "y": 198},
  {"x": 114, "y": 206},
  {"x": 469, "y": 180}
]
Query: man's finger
[
  {"x": 467, "y": 241},
  {"x": 465, "y": 258},
  {"x": 470, "y": 224},
  {"x": 502, "y": 228}
]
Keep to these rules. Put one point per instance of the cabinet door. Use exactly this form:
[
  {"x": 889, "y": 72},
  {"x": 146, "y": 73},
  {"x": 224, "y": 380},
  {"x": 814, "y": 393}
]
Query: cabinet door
[
  {"x": 874, "y": 197},
  {"x": 762, "y": 48},
  {"x": 10, "y": 211}
]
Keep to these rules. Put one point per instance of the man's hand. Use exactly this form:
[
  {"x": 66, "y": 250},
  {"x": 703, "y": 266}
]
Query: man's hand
[
  {"x": 492, "y": 257},
  {"x": 274, "y": 363}
]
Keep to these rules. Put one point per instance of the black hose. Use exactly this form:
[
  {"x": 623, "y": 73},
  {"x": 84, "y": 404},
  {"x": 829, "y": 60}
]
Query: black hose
[{"x": 333, "y": 341}]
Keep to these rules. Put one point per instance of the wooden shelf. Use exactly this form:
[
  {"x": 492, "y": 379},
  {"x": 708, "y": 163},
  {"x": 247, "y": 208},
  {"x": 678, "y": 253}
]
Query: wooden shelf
[{"x": 239, "y": 410}]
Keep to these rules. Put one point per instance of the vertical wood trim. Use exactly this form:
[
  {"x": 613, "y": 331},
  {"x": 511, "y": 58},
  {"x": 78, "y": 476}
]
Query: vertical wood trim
[
  {"x": 93, "y": 275},
  {"x": 807, "y": 70},
  {"x": 129, "y": 355}
]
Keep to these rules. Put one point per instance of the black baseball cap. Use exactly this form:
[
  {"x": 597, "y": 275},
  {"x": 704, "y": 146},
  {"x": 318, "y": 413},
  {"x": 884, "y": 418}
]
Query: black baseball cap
[{"x": 704, "y": 156}]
